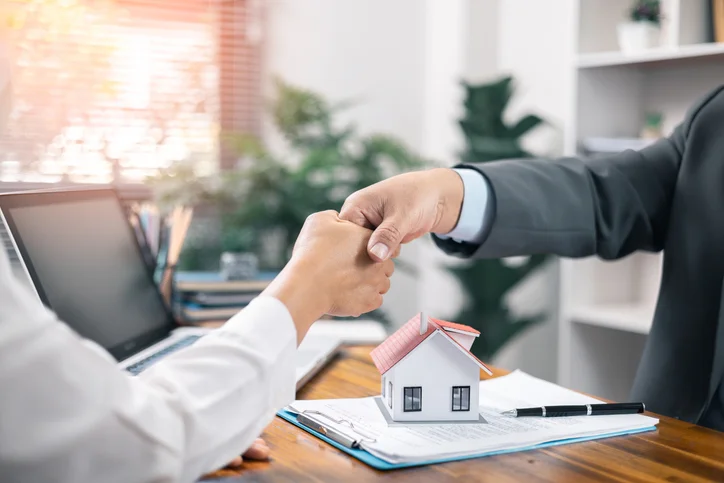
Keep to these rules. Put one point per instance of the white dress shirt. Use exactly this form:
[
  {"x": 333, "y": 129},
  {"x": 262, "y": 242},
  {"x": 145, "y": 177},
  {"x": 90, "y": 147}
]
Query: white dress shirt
[
  {"x": 473, "y": 220},
  {"x": 69, "y": 415}
]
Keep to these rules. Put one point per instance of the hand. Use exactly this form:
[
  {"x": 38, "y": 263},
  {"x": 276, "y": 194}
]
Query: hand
[
  {"x": 406, "y": 207},
  {"x": 330, "y": 272},
  {"x": 258, "y": 451}
]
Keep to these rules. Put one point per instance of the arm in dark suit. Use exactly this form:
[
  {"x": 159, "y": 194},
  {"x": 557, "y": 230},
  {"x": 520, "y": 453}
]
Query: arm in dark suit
[{"x": 609, "y": 206}]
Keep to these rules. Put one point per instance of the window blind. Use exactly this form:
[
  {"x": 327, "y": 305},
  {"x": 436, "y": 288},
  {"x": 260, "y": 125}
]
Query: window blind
[{"x": 116, "y": 90}]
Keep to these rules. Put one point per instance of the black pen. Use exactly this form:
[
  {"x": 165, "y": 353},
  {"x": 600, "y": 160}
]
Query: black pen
[{"x": 580, "y": 410}]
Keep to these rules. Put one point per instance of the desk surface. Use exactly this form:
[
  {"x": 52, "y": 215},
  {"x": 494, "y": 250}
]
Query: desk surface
[{"x": 676, "y": 451}]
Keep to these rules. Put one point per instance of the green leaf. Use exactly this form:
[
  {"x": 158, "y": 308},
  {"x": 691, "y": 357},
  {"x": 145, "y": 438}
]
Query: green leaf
[{"x": 526, "y": 124}]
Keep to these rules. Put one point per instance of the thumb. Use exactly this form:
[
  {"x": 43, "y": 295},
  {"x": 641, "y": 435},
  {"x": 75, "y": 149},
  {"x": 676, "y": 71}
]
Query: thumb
[{"x": 386, "y": 238}]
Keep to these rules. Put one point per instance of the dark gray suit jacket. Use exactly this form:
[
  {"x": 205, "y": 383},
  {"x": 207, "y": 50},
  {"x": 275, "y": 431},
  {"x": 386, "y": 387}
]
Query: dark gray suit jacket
[{"x": 669, "y": 196}]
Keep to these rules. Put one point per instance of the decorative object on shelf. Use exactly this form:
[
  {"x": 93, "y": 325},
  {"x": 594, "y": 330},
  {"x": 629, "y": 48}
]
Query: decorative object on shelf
[
  {"x": 486, "y": 283},
  {"x": 239, "y": 266},
  {"x": 643, "y": 29},
  {"x": 653, "y": 126}
]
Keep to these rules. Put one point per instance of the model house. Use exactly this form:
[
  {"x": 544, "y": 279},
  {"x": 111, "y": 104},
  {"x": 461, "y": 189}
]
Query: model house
[{"x": 428, "y": 372}]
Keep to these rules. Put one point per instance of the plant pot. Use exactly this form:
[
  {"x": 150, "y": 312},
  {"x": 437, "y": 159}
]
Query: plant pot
[{"x": 634, "y": 37}]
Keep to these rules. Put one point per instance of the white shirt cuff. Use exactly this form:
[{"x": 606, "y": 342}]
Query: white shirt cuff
[
  {"x": 265, "y": 311},
  {"x": 472, "y": 222}
]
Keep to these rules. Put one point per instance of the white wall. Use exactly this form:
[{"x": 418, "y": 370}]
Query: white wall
[
  {"x": 544, "y": 88},
  {"x": 369, "y": 51}
]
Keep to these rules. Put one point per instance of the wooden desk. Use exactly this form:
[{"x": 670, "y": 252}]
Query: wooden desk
[{"x": 676, "y": 451}]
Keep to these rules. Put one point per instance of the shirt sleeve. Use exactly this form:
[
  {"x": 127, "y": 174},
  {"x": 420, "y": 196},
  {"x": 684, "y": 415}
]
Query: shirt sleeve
[
  {"x": 69, "y": 414},
  {"x": 474, "y": 219}
]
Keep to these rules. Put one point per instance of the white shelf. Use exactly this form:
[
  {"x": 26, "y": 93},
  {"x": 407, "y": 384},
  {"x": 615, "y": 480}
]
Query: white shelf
[
  {"x": 634, "y": 318},
  {"x": 663, "y": 54}
]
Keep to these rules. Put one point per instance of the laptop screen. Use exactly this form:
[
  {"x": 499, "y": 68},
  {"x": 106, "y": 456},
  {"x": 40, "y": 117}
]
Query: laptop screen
[{"x": 85, "y": 263}]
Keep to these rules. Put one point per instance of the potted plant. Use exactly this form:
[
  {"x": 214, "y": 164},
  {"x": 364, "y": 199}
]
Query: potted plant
[
  {"x": 642, "y": 31},
  {"x": 260, "y": 206}
]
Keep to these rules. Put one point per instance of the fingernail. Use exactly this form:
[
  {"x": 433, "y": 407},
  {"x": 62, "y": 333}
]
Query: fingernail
[{"x": 380, "y": 250}]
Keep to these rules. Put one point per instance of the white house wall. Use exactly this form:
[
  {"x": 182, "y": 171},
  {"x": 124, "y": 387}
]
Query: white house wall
[
  {"x": 386, "y": 377},
  {"x": 436, "y": 365}
]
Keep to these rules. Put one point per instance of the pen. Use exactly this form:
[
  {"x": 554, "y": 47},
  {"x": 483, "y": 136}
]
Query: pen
[
  {"x": 331, "y": 433},
  {"x": 580, "y": 410}
]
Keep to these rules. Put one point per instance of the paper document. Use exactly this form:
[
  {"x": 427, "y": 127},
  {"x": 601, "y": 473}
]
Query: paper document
[{"x": 415, "y": 443}]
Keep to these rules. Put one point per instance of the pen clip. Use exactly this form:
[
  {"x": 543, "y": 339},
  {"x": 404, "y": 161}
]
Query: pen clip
[{"x": 365, "y": 437}]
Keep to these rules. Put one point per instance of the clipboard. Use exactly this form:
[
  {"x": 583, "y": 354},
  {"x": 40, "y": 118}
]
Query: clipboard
[{"x": 349, "y": 443}]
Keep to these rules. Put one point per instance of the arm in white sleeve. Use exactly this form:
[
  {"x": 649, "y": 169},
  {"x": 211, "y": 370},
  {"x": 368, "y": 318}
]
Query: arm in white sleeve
[
  {"x": 473, "y": 221},
  {"x": 68, "y": 414}
]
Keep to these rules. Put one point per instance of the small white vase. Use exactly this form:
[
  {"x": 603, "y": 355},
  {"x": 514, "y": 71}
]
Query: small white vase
[{"x": 635, "y": 37}]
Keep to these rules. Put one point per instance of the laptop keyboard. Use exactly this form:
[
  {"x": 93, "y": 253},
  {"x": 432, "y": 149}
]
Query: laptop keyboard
[{"x": 144, "y": 364}]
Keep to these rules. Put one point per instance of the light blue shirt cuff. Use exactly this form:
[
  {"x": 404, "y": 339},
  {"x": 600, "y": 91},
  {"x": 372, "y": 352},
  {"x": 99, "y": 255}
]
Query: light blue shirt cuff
[{"x": 472, "y": 222}]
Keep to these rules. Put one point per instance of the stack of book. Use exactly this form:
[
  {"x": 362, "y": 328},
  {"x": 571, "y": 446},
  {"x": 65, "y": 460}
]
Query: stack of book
[
  {"x": 194, "y": 297},
  {"x": 208, "y": 296}
]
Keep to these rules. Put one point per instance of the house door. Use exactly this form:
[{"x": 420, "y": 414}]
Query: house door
[{"x": 389, "y": 394}]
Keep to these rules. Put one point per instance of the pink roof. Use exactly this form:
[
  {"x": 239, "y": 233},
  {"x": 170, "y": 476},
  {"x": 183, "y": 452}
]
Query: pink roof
[
  {"x": 452, "y": 325},
  {"x": 407, "y": 337},
  {"x": 399, "y": 344}
]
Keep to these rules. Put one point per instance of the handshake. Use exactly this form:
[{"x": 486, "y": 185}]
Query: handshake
[{"x": 342, "y": 262}]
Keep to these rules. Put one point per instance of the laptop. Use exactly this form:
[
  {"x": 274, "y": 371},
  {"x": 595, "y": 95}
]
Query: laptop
[{"x": 83, "y": 259}]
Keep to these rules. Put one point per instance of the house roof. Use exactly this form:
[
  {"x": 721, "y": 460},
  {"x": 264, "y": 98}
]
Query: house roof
[
  {"x": 408, "y": 337},
  {"x": 453, "y": 326}
]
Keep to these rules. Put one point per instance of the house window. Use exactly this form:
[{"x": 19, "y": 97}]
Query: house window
[
  {"x": 461, "y": 398},
  {"x": 412, "y": 399},
  {"x": 389, "y": 394}
]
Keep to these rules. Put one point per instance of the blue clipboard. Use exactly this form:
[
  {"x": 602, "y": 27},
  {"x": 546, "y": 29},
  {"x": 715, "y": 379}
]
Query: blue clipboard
[{"x": 383, "y": 465}]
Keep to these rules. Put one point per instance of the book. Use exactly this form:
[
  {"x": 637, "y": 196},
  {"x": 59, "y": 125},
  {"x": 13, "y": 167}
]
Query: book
[
  {"x": 718, "y": 20},
  {"x": 215, "y": 282},
  {"x": 193, "y": 313},
  {"x": 212, "y": 299}
]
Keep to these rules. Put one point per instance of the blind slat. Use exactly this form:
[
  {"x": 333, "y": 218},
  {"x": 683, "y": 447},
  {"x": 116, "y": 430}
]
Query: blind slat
[{"x": 127, "y": 87}]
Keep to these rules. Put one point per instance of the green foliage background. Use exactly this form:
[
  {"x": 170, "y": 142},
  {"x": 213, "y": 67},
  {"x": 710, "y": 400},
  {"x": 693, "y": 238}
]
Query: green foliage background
[{"x": 488, "y": 137}]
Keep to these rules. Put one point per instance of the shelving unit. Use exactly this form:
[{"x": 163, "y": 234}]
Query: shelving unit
[
  {"x": 606, "y": 307},
  {"x": 708, "y": 52}
]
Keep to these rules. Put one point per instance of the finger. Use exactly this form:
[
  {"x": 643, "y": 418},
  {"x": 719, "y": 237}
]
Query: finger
[
  {"x": 386, "y": 238},
  {"x": 374, "y": 302},
  {"x": 397, "y": 252},
  {"x": 389, "y": 267},
  {"x": 350, "y": 212},
  {"x": 378, "y": 299},
  {"x": 258, "y": 450},
  {"x": 236, "y": 462},
  {"x": 385, "y": 286}
]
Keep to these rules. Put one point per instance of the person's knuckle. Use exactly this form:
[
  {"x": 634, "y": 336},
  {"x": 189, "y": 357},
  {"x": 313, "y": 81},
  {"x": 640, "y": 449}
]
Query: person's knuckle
[
  {"x": 376, "y": 301},
  {"x": 355, "y": 200},
  {"x": 389, "y": 267},
  {"x": 385, "y": 286},
  {"x": 389, "y": 232}
]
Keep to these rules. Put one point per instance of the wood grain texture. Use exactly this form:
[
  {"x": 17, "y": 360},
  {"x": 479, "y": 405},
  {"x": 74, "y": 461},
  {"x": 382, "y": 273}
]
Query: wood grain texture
[{"x": 676, "y": 451}]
